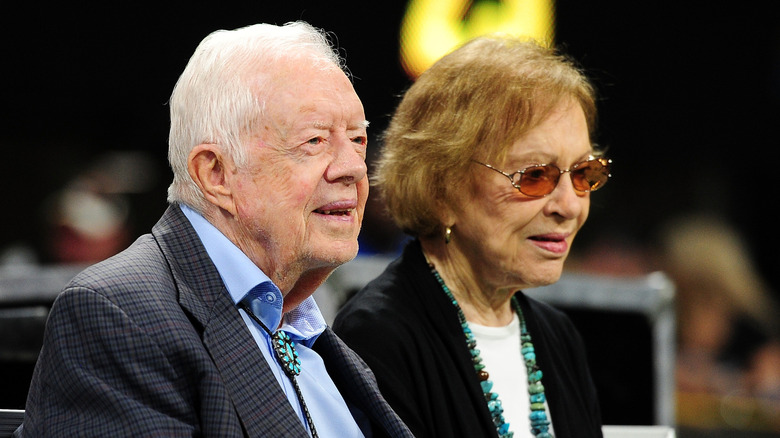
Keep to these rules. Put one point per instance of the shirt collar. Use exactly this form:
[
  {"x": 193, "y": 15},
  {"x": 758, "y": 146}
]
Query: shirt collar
[{"x": 240, "y": 275}]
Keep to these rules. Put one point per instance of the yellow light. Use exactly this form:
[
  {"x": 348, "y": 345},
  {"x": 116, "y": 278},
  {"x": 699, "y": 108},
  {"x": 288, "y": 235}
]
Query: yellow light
[{"x": 432, "y": 28}]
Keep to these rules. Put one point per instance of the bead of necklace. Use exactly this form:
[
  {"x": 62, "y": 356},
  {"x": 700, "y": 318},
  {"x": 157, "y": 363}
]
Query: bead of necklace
[{"x": 540, "y": 425}]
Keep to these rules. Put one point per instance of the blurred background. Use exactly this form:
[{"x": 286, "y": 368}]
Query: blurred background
[{"x": 689, "y": 111}]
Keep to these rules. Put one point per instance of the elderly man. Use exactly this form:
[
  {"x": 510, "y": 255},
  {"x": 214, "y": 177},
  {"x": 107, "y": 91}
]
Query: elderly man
[{"x": 206, "y": 326}]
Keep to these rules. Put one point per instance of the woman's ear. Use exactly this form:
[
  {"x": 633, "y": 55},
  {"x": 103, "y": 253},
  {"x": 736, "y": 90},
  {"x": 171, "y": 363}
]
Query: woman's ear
[
  {"x": 211, "y": 171},
  {"x": 445, "y": 212}
]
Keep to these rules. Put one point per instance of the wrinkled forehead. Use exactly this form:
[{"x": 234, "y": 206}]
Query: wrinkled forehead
[
  {"x": 303, "y": 97},
  {"x": 283, "y": 70}
]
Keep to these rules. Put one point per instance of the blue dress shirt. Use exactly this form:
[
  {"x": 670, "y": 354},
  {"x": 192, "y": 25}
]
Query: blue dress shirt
[{"x": 331, "y": 416}]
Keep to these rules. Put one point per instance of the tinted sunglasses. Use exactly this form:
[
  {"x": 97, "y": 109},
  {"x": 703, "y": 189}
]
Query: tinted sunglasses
[{"x": 541, "y": 179}]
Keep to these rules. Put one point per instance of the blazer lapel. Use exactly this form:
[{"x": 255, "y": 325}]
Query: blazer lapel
[
  {"x": 357, "y": 385},
  {"x": 260, "y": 403}
]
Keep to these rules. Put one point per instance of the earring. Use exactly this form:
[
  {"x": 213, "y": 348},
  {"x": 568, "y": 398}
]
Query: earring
[{"x": 447, "y": 235}]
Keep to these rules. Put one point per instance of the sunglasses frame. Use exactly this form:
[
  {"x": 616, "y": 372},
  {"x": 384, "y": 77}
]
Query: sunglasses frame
[{"x": 605, "y": 162}]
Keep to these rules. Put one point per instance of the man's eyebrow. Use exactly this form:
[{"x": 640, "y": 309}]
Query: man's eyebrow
[
  {"x": 361, "y": 125},
  {"x": 324, "y": 125}
]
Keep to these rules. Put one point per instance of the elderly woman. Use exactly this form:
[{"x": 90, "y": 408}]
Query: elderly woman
[{"x": 489, "y": 163}]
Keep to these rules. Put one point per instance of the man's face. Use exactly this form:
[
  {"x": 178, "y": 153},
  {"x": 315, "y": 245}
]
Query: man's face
[{"x": 300, "y": 199}]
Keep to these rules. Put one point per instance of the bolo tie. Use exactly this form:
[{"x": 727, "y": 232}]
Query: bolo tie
[{"x": 284, "y": 349}]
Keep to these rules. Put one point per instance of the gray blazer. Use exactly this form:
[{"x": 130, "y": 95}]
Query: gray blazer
[{"x": 148, "y": 343}]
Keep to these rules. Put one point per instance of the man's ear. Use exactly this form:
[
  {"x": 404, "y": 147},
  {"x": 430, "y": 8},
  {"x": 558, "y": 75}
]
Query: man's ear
[{"x": 211, "y": 171}]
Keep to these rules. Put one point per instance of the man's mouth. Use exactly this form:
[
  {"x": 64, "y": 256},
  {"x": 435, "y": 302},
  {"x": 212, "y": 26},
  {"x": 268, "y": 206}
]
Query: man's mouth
[
  {"x": 337, "y": 208},
  {"x": 338, "y": 212}
]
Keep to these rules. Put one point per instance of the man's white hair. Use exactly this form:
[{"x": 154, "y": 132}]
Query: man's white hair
[{"x": 217, "y": 98}]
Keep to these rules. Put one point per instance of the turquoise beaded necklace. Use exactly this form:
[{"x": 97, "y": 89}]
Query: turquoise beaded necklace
[{"x": 540, "y": 425}]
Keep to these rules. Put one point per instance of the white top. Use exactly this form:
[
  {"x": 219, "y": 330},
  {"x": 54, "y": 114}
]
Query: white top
[{"x": 500, "y": 351}]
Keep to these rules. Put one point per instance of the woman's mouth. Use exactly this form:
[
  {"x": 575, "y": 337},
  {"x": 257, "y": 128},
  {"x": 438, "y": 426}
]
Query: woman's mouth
[{"x": 554, "y": 243}]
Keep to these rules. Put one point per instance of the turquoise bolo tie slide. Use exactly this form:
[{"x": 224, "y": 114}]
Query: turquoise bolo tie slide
[{"x": 284, "y": 347}]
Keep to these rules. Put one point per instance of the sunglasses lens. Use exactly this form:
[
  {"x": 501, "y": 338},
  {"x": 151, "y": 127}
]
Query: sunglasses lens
[
  {"x": 539, "y": 180},
  {"x": 590, "y": 175}
]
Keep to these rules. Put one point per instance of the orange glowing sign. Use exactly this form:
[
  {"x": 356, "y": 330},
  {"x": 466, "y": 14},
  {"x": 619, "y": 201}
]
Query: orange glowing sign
[{"x": 432, "y": 28}]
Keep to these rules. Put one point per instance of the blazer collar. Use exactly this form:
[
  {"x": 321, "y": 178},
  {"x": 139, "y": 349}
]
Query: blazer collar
[{"x": 251, "y": 384}]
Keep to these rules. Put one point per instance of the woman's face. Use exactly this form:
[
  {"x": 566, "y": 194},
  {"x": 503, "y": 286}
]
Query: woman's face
[{"x": 508, "y": 239}]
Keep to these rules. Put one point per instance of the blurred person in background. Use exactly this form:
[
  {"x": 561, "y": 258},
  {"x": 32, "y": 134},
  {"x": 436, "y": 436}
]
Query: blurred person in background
[
  {"x": 92, "y": 216},
  {"x": 727, "y": 326},
  {"x": 84, "y": 226},
  {"x": 488, "y": 162}
]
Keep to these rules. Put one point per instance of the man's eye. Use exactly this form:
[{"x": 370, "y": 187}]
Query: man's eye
[
  {"x": 360, "y": 140},
  {"x": 314, "y": 141}
]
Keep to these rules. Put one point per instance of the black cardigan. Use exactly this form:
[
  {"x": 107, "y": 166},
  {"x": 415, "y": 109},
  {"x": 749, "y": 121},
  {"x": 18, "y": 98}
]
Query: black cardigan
[{"x": 405, "y": 328}]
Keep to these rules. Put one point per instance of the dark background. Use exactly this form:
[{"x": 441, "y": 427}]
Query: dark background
[{"x": 689, "y": 100}]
